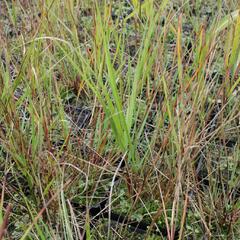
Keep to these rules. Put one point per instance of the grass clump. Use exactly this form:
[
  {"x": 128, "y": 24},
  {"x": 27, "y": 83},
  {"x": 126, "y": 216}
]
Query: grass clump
[{"x": 119, "y": 119}]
